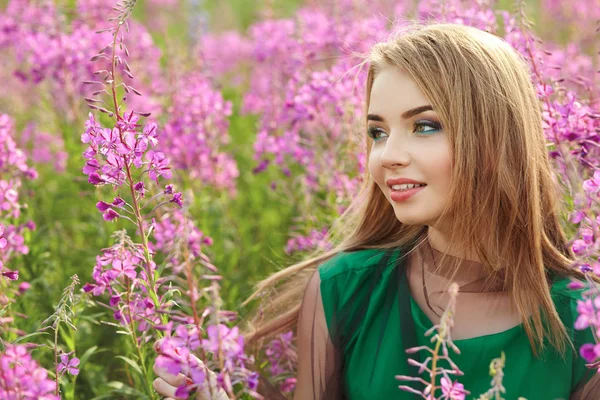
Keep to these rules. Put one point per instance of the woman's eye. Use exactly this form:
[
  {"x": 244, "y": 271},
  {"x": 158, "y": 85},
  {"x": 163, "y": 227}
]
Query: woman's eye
[
  {"x": 423, "y": 125},
  {"x": 375, "y": 133}
]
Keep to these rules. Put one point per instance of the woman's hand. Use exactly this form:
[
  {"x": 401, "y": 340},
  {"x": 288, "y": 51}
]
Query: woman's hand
[{"x": 166, "y": 384}]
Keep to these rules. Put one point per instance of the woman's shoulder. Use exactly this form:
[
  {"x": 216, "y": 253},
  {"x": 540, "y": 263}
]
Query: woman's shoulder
[
  {"x": 351, "y": 262},
  {"x": 565, "y": 297},
  {"x": 568, "y": 294},
  {"x": 563, "y": 290}
]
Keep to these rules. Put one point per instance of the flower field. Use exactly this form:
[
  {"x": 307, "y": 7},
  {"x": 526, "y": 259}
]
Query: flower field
[{"x": 159, "y": 158}]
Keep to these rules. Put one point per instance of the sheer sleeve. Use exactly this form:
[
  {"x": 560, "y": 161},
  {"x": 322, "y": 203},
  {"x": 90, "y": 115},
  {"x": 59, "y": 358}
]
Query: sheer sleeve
[
  {"x": 319, "y": 360},
  {"x": 589, "y": 390}
]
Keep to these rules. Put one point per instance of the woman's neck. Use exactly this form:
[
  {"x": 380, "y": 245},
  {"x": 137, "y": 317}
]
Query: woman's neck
[
  {"x": 452, "y": 264},
  {"x": 439, "y": 242}
]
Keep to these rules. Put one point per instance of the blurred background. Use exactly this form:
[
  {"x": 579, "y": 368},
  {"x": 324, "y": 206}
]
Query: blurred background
[{"x": 256, "y": 110}]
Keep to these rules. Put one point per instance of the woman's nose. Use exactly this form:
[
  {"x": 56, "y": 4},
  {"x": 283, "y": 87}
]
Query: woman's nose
[{"x": 396, "y": 153}]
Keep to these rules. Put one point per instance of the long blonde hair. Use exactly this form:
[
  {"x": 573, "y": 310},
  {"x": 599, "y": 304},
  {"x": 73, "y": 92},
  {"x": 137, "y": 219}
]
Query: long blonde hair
[{"x": 504, "y": 201}]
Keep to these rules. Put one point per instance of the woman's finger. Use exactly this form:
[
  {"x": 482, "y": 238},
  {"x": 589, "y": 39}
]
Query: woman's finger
[
  {"x": 173, "y": 380},
  {"x": 214, "y": 392},
  {"x": 163, "y": 388}
]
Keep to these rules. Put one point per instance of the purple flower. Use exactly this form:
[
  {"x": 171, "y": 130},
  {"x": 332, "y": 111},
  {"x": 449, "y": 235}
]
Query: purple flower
[
  {"x": 68, "y": 365},
  {"x": 110, "y": 215},
  {"x": 168, "y": 189},
  {"x": 580, "y": 246},
  {"x": 171, "y": 363},
  {"x": 590, "y": 352},
  {"x": 177, "y": 199},
  {"x": 183, "y": 392},
  {"x": 575, "y": 285},
  {"x": 159, "y": 165},
  {"x": 592, "y": 185},
  {"x": 252, "y": 381},
  {"x": 124, "y": 268},
  {"x": 222, "y": 338},
  {"x": 261, "y": 167},
  {"x": 95, "y": 179},
  {"x": 139, "y": 187},
  {"x": 576, "y": 217},
  {"x": 103, "y": 206},
  {"x": 11, "y": 275},
  {"x": 188, "y": 337},
  {"x": 282, "y": 354},
  {"x": 118, "y": 202},
  {"x": 128, "y": 122},
  {"x": 585, "y": 268},
  {"x": 114, "y": 300},
  {"x": 88, "y": 287},
  {"x": 24, "y": 286},
  {"x": 588, "y": 316},
  {"x": 452, "y": 390},
  {"x": 22, "y": 377}
]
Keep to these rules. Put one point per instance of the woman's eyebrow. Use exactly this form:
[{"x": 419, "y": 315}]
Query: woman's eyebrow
[{"x": 406, "y": 115}]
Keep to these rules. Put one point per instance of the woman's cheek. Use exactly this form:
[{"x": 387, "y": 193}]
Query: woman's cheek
[{"x": 375, "y": 168}]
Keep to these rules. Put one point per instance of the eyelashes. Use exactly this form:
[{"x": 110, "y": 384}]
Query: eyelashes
[{"x": 375, "y": 132}]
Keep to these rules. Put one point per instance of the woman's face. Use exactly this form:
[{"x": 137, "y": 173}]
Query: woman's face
[{"x": 408, "y": 142}]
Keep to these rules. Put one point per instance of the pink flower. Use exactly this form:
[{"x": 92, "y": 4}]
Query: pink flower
[
  {"x": 110, "y": 214},
  {"x": 590, "y": 352},
  {"x": 452, "y": 390},
  {"x": 68, "y": 365},
  {"x": 24, "y": 286},
  {"x": 592, "y": 185},
  {"x": 11, "y": 275}
]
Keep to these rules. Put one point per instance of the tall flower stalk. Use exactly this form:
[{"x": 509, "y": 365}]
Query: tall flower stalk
[
  {"x": 442, "y": 341},
  {"x": 497, "y": 374},
  {"x": 112, "y": 156},
  {"x": 63, "y": 313}
]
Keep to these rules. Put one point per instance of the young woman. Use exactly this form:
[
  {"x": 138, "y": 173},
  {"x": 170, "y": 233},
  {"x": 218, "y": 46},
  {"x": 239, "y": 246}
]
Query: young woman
[{"x": 452, "y": 110}]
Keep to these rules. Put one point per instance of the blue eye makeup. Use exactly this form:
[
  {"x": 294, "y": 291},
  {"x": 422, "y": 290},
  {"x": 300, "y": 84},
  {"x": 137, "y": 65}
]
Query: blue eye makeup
[
  {"x": 425, "y": 123},
  {"x": 422, "y": 127}
]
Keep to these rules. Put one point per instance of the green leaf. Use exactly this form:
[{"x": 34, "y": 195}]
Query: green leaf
[
  {"x": 88, "y": 353},
  {"x": 133, "y": 365},
  {"x": 120, "y": 389},
  {"x": 68, "y": 339},
  {"x": 21, "y": 338},
  {"x": 111, "y": 324},
  {"x": 93, "y": 319}
]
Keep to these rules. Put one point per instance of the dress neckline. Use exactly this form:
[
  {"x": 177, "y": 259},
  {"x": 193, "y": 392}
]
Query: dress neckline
[{"x": 423, "y": 321}]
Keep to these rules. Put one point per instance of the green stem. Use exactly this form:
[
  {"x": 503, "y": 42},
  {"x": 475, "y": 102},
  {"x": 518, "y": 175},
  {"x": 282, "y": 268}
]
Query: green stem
[
  {"x": 136, "y": 344},
  {"x": 56, "y": 356},
  {"x": 434, "y": 361},
  {"x": 136, "y": 206}
]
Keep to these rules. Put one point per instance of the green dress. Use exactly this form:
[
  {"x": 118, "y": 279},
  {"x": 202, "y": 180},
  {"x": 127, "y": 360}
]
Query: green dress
[{"x": 372, "y": 319}]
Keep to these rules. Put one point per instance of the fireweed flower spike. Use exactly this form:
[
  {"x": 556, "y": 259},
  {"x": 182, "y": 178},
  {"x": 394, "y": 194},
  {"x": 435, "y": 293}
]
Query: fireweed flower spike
[
  {"x": 63, "y": 313},
  {"x": 442, "y": 339},
  {"x": 21, "y": 377},
  {"x": 283, "y": 357},
  {"x": 589, "y": 316},
  {"x": 14, "y": 170},
  {"x": 126, "y": 271},
  {"x": 202, "y": 345},
  {"x": 113, "y": 153},
  {"x": 497, "y": 373}
]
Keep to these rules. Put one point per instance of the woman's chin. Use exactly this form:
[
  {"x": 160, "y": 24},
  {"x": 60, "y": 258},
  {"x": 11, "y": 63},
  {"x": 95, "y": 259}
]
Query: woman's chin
[{"x": 408, "y": 217}]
